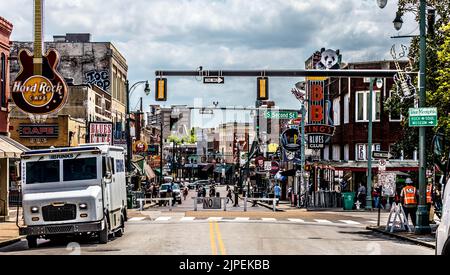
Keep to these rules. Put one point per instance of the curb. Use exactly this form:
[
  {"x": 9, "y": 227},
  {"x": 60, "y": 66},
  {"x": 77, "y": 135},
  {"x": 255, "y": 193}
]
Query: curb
[
  {"x": 422, "y": 243},
  {"x": 10, "y": 242},
  {"x": 270, "y": 207}
]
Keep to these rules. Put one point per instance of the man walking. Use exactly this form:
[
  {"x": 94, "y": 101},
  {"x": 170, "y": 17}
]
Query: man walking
[
  {"x": 277, "y": 193},
  {"x": 362, "y": 195},
  {"x": 409, "y": 198}
]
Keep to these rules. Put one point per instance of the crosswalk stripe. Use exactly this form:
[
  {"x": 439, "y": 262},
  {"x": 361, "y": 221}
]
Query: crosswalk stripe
[
  {"x": 349, "y": 222},
  {"x": 269, "y": 219},
  {"x": 296, "y": 220},
  {"x": 187, "y": 219},
  {"x": 242, "y": 219},
  {"x": 136, "y": 219},
  {"x": 373, "y": 222},
  {"x": 215, "y": 218},
  {"x": 162, "y": 219},
  {"x": 323, "y": 221}
]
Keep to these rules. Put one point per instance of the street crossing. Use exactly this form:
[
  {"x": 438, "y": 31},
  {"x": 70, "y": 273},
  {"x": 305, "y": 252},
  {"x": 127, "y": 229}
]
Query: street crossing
[{"x": 178, "y": 219}]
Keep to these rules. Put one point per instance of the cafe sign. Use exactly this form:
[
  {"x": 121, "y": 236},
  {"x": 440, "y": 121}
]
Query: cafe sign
[{"x": 38, "y": 130}]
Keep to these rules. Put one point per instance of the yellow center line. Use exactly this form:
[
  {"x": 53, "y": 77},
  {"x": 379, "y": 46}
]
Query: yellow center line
[
  {"x": 219, "y": 240},
  {"x": 212, "y": 239}
]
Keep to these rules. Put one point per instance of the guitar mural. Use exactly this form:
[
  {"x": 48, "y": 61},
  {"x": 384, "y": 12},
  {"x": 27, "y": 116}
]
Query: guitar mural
[
  {"x": 405, "y": 88},
  {"x": 39, "y": 89}
]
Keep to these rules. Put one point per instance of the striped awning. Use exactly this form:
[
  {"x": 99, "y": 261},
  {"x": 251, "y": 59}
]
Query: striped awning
[{"x": 10, "y": 148}]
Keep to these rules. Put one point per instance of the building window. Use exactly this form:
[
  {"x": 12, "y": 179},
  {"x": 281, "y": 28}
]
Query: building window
[
  {"x": 346, "y": 109},
  {"x": 362, "y": 110},
  {"x": 362, "y": 151},
  {"x": 346, "y": 152},
  {"x": 326, "y": 152},
  {"x": 3, "y": 98},
  {"x": 337, "y": 111},
  {"x": 336, "y": 152}
]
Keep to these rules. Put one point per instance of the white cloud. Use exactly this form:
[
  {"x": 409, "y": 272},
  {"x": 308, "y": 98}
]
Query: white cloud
[{"x": 219, "y": 34}]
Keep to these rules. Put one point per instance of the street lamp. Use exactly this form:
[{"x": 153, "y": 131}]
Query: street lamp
[
  {"x": 398, "y": 21},
  {"x": 129, "y": 142},
  {"x": 382, "y": 3},
  {"x": 422, "y": 225},
  {"x": 300, "y": 93}
]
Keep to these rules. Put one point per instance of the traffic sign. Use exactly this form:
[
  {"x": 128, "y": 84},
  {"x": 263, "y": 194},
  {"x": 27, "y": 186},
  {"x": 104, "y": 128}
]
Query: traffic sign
[
  {"x": 381, "y": 155},
  {"x": 280, "y": 115},
  {"x": 382, "y": 165},
  {"x": 423, "y": 117},
  {"x": 214, "y": 80}
]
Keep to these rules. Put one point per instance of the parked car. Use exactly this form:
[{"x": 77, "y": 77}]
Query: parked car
[
  {"x": 443, "y": 231},
  {"x": 175, "y": 189},
  {"x": 196, "y": 184}
]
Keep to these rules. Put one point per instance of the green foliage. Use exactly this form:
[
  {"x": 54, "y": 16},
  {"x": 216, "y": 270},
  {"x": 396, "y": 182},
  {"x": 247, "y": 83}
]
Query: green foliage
[
  {"x": 191, "y": 139},
  {"x": 438, "y": 76}
]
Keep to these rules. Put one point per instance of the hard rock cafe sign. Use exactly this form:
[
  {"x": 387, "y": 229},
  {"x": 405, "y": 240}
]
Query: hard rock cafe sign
[{"x": 39, "y": 89}]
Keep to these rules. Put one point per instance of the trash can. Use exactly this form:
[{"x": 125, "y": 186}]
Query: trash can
[{"x": 349, "y": 199}]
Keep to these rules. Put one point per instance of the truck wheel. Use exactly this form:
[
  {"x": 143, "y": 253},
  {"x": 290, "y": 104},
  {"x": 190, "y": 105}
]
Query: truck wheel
[
  {"x": 103, "y": 235},
  {"x": 32, "y": 242},
  {"x": 121, "y": 230}
]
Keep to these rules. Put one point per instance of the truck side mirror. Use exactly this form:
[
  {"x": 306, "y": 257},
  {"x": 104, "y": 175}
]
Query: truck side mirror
[{"x": 108, "y": 177}]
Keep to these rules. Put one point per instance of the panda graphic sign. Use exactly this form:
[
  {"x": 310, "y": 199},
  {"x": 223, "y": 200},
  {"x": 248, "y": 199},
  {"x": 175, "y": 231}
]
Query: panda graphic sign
[{"x": 321, "y": 126}]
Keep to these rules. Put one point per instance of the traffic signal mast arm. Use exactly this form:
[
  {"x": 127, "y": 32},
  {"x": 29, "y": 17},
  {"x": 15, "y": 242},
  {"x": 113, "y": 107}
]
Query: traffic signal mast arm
[{"x": 283, "y": 73}]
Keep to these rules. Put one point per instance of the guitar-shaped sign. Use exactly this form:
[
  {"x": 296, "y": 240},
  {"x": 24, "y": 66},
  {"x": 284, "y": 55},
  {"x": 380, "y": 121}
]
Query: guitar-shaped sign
[
  {"x": 39, "y": 89},
  {"x": 405, "y": 88}
]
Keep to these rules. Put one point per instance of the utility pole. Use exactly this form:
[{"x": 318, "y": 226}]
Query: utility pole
[
  {"x": 423, "y": 225},
  {"x": 128, "y": 130},
  {"x": 369, "y": 150},
  {"x": 161, "y": 139}
]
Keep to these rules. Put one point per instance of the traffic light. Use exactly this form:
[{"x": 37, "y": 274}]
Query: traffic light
[
  {"x": 263, "y": 88},
  {"x": 161, "y": 89}
]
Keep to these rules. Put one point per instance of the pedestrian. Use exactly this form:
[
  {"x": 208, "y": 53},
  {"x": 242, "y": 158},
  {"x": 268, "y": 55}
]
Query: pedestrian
[
  {"x": 169, "y": 193},
  {"x": 185, "y": 192},
  {"x": 430, "y": 201},
  {"x": 228, "y": 187},
  {"x": 376, "y": 197},
  {"x": 230, "y": 196},
  {"x": 277, "y": 193},
  {"x": 409, "y": 198},
  {"x": 362, "y": 195},
  {"x": 289, "y": 194}
]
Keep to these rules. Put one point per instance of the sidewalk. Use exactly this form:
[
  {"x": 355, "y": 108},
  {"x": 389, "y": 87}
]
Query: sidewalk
[
  {"x": 9, "y": 233},
  {"x": 428, "y": 240}
]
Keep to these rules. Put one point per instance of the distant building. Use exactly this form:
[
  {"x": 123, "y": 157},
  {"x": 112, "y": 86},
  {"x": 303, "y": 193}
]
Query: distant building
[
  {"x": 348, "y": 151},
  {"x": 85, "y": 62}
]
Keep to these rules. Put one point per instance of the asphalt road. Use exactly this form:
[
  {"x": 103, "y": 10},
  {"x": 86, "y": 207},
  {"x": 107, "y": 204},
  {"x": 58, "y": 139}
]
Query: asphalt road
[
  {"x": 158, "y": 231},
  {"x": 231, "y": 237}
]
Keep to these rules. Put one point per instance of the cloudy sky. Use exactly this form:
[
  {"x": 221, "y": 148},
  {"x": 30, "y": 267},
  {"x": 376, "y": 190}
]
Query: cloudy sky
[{"x": 219, "y": 34}]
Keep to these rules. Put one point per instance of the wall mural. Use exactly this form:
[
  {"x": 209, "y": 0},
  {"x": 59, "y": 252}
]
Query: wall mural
[{"x": 99, "y": 78}]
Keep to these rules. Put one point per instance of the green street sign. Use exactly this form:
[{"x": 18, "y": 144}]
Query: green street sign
[
  {"x": 423, "y": 117},
  {"x": 280, "y": 115}
]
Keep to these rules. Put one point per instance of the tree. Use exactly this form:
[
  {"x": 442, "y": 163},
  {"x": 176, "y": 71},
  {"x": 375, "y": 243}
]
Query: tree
[{"x": 438, "y": 76}]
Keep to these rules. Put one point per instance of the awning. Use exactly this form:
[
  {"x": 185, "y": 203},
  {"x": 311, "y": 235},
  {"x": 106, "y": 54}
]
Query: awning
[
  {"x": 149, "y": 171},
  {"x": 157, "y": 171},
  {"x": 220, "y": 167},
  {"x": 10, "y": 148},
  {"x": 207, "y": 167}
]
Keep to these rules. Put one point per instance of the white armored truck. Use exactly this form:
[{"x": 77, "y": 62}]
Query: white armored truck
[{"x": 74, "y": 191}]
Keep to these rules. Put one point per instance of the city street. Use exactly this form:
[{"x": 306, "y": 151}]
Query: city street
[
  {"x": 225, "y": 128},
  {"x": 234, "y": 236},
  {"x": 260, "y": 231}
]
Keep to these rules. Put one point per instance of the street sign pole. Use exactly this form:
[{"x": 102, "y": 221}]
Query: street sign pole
[
  {"x": 422, "y": 225},
  {"x": 369, "y": 151}
]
